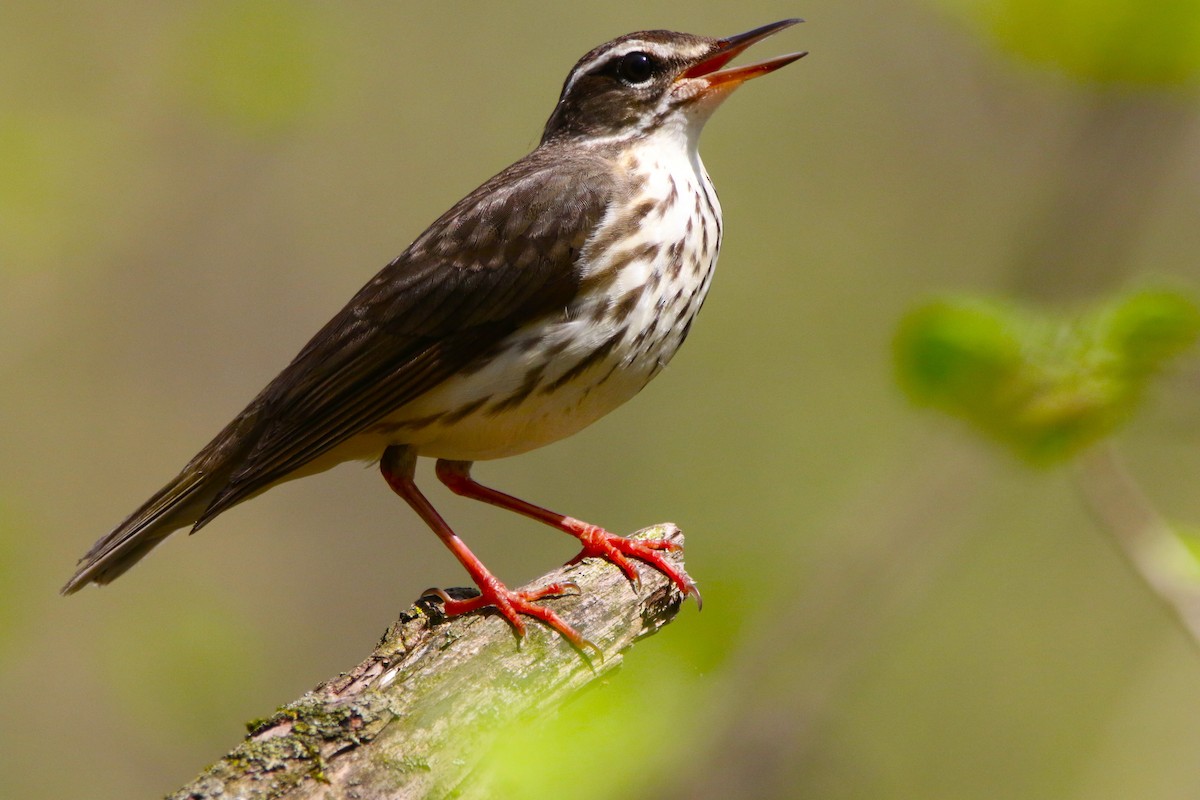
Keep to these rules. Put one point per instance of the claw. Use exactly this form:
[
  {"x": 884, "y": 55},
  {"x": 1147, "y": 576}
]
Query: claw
[
  {"x": 617, "y": 550},
  {"x": 599, "y": 543},
  {"x": 511, "y": 605},
  {"x": 434, "y": 591}
]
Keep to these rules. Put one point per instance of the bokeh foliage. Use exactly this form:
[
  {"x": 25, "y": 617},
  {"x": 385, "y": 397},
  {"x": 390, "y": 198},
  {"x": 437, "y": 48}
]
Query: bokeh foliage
[
  {"x": 188, "y": 190},
  {"x": 1045, "y": 386},
  {"x": 257, "y": 65},
  {"x": 1106, "y": 41}
]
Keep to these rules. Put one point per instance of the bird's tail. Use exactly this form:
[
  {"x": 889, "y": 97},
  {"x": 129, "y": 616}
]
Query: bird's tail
[
  {"x": 174, "y": 506},
  {"x": 178, "y": 504}
]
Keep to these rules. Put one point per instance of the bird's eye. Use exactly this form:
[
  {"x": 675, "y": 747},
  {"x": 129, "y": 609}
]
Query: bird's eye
[{"x": 634, "y": 68}]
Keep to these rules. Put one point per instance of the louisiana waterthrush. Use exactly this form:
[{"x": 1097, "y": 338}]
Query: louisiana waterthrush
[{"x": 541, "y": 301}]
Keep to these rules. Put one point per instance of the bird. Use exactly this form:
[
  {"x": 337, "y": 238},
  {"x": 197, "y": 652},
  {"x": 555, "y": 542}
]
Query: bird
[{"x": 538, "y": 303}]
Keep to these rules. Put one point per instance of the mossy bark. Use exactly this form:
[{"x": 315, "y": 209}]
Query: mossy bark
[{"x": 414, "y": 718}]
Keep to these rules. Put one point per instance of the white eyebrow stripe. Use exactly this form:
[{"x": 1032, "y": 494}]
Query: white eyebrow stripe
[{"x": 631, "y": 46}]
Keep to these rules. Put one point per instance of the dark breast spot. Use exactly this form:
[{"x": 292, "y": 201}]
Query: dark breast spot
[
  {"x": 598, "y": 280},
  {"x": 643, "y": 209},
  {"x": 675, "y": 259},
  {"x": 654, "y": 280},
  {"x": 463, "y": 411},
  {"x": 527, "y": 387},
  {"x": 627, "y": 302},
  {"x": 584, "y": 364}
]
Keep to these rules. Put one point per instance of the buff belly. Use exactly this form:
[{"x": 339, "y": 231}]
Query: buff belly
[{"x": 644, "y": 275}]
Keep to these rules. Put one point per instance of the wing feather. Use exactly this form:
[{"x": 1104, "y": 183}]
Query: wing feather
[{"x": 500, "y": 258}]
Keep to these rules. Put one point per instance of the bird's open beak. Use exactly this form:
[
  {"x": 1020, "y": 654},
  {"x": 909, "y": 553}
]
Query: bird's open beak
[{"x": 729, "y": 49}]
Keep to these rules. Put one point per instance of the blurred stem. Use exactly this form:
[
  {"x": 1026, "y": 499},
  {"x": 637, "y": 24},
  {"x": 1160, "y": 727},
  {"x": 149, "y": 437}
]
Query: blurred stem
[
  {"x": 1101, "y": 193},
  {"x": 885, "y": 550},
  {"x": 1157, "y": 555}
]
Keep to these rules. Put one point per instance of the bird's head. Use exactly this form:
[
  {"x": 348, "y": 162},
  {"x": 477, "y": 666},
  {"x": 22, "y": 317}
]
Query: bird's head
[{"x": 642, "y": 82}]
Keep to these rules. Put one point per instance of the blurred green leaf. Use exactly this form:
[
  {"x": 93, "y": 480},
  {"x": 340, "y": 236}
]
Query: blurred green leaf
[
  {"x": 1151, "y": 327},
  {"x": 1045, "y": 387},
  {"x": 25, "y": 188},
  {"x": 43, "y": 160},
  {"x": 1109, "y": 41},
  {"x": 1189, "y": 535},
  {"x": 1179, "y": 553},
  {"x": 957, "y": 350},
  {"x": 190, "y": 660},
  {"x": 255, "y": 64},
  {"x": 623, "y": 726}
]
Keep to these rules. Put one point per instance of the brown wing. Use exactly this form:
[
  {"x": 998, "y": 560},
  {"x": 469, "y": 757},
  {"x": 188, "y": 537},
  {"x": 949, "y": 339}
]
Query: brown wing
[{"x": 501, "y": 257}]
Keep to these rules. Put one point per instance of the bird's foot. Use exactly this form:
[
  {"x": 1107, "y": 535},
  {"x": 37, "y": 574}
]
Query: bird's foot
[
  {"x": 511, "y": 604},
  {"x": 618, "y": 550}
]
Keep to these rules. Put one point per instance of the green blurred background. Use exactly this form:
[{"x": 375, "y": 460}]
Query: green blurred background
[{"x": 894, "y": 607}]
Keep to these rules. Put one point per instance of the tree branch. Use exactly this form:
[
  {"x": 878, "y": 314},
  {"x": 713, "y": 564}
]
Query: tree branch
[
  {"x": 1156, "y": 553},
  {"x": 414, "y": 718}
]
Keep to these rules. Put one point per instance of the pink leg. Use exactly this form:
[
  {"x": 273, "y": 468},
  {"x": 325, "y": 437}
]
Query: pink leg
[
  {"x": 398, "y": 466},
  {"x": 596, "y": 541}
]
